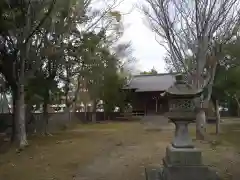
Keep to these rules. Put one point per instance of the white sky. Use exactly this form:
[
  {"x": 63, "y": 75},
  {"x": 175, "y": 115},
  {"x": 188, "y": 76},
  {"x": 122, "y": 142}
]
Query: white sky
[{"x": 146, "y": 49}]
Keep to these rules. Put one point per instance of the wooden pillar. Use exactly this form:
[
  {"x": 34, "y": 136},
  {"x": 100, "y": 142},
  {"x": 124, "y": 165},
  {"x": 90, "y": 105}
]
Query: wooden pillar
[
  {"x": 145, "y": 106},
  {"x": 156, "y": 105}
]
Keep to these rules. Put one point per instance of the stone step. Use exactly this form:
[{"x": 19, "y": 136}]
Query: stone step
[{"x": 180, "y": 173}]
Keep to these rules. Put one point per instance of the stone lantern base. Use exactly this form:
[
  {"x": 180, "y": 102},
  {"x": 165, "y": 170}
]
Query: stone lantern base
[
  {"x": 183, "y": 156},
  {"x": 181, "y": 164},
  {"x": 182, "y": 161}
]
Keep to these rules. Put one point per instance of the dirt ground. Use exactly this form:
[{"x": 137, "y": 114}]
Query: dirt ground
[{"x": 113, "y": 151}]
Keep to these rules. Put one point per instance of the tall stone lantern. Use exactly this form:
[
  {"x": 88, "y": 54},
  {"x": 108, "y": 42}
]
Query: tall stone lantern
[
  {"x": 182, "y": 111},
  {"x": 182, "y": 161}
]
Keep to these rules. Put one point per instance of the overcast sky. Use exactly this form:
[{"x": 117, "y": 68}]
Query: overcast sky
[{"x": 148, "y": 52}]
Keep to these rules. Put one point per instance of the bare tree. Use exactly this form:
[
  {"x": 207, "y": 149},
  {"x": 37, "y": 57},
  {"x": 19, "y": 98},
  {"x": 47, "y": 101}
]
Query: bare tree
[{"x": 196, "y": 29}]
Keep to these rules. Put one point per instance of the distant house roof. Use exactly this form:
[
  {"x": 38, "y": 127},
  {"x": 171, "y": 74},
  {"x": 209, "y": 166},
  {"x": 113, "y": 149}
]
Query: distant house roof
[{"x": 146, "y": 83}]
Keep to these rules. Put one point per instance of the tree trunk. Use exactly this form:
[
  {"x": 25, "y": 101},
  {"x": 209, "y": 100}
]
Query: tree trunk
[
  {"x": 67, "y": 102},
  {"x": 68, "y": 112},
  {"x": 94, "y": 118},
  {"x": 85, "y": 112},
  {"x": 29, "y": 117},
  {"x": 201, "y": 114},
  {"x": 14, "y": 100},
  {"x": 218, "y": 118},
  {"x": 76, "y": 93},
  {"x": 24, "y": 49},
  {"x": 20, "y": 102},
  {"x": 20, "y": 119},
  {"x": 200, "y": 124},
  {"x": 45, "y": 117},
  {"x": 238, "y": 105},
  {"x": 200, "y": 119}
]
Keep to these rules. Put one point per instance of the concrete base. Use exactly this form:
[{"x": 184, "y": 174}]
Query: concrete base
[
  {"x": 181, "y": 173},
  {"x": 183, "y": 156},
  {"x": 175, "y": 172},
  {"x": 181, "y": 164}
]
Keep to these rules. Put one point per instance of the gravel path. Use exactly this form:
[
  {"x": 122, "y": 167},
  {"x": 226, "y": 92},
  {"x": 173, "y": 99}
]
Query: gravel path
[
  {"x": 127, "y": 158},
  {"x": 144, "y": 146}
]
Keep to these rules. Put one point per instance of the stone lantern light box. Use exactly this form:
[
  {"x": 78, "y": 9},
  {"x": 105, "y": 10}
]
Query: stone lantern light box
[{"x": 181, "y": 100}]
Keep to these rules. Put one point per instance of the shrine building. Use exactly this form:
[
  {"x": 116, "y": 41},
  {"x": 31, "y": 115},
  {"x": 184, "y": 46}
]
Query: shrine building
[{"x": 148, "y": 93}]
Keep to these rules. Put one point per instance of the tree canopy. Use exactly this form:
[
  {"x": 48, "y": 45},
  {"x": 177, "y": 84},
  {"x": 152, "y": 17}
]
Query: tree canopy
[
  {"x": 49, "y": 49},
  {"x": 153, "y": 71}
]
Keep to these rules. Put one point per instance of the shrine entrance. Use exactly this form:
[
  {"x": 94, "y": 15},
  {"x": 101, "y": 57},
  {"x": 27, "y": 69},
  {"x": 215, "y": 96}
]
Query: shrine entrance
[
  {"x": 149, "y": 103},
  {"x": 156, "y": 105}
]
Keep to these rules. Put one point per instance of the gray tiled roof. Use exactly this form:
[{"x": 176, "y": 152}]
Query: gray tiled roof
[{"x": 159, "y": 82}]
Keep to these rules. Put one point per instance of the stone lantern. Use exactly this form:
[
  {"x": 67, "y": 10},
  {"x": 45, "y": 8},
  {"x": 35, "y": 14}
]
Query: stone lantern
[
  {"x": 183, "y": 161},
  {"x": 182, "y": 111}
]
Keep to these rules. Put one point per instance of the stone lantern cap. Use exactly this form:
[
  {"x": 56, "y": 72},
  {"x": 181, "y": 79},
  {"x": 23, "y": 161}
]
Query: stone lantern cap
[{"x": 182, "y": 89}]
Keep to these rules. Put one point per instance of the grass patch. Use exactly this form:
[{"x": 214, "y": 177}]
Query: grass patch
[
  {"x": 231, "y": 134},
  {"x": 210, "y": 128},
  {"x": 102, "y": 126},
  {"x": 63, "y": 155},
  {"x": 51, "y": 157}
]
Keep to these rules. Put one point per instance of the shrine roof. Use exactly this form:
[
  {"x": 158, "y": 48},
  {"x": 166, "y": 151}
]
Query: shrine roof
[{"x": 148, "y": 83}]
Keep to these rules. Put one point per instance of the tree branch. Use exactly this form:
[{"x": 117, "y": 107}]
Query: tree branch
[{"x": 41, "y": 21}]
